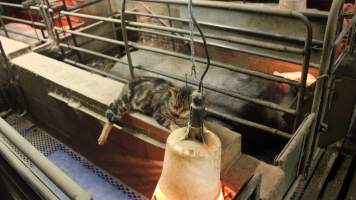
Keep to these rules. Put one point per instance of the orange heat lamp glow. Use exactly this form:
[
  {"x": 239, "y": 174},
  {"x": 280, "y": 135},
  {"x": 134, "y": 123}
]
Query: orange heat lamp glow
[
  {"x": 158, "y": 195},
  {"x": 63, "y": 23}
]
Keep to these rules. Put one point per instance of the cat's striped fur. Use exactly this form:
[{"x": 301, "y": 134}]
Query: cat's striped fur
[{"x": 156, "y": 97}]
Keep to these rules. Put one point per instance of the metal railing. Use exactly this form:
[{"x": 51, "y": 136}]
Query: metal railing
[
  {"x": 36, "y": 25},
  {"x": 176, "y": 33}
]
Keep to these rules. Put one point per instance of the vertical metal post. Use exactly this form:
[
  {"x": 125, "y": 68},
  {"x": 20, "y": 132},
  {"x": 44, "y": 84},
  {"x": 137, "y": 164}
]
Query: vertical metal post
[
  {"x": 2, "y": 22},
  {"x": 304, "y": 75},
  {"x": 71, "y": 28},
  {"x": 325, "y": 63},
  {"x": 125, "y": 38}
]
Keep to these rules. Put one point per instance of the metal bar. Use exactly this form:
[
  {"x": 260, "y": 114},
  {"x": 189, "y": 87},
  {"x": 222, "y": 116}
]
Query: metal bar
[
  {"x": 25, "y": 172},
  {"x": 245, "y": 41},
  {"x": 82, "y": 5},
  {"x": 125, "y": 37},
  {"x": 217, "y": 64},
  {"x": 24, "y": 21},
  {"x": 250, "y": 123},
  {"x": 29, "y": 36},
  {"x": 182, "y": 31},
  {"x": 229, "y": 28},
  {"x": 325, "y": 63},
  {"x": 58, "y": 177},
  {"x": 3, "y": 25},
  {"x": 305, "y": 69},
  {"x": 94, "y": 70},
  {"x": 15, "y": 5},
  {"x": 93, "y": 53},
  {"x": 94, "y": 17},
  {"x": 345, "y": 31},
  {"x": 222, "y": 91},
  {"x": 69, "y": 22}
]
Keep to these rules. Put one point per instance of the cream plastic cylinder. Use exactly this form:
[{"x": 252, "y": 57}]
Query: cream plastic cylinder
[
  {"x": 191, "y": 169},
  {"x": 298, "y": 5}
]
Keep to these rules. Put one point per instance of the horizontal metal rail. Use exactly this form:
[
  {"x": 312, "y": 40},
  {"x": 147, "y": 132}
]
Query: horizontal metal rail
[
  {"x": 234, "y": 119},
  {"x": 24, "y": 21},
  {"x": 26, "y": 35},
  {"x": 212, "y": 88},
  {"x": 33, "y": 180},
  {"x": 228, "y": 28},
  {"x": 15, "y": 5},
  {"x": 94, "y": 70},
  {"x": 250, "y": 42},
  {"x": 217, "y": 64},
  {"x": 59, "y": 178},
  {"x": 250, "y": 123}
]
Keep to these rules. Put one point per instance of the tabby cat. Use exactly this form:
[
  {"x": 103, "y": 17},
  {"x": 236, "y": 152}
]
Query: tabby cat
[{"x": 156, "y": 97}]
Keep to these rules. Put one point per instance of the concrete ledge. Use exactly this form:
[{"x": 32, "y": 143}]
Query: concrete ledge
[{"x": 14, "y": 48}]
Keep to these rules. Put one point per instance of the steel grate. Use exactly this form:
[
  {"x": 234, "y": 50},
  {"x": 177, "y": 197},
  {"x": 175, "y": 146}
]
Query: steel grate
[{"x": 47, "y": 145}]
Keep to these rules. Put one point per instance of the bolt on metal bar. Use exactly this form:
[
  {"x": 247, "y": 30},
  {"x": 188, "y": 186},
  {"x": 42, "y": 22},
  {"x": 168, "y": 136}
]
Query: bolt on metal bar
[{"x": 125, "y": 38}]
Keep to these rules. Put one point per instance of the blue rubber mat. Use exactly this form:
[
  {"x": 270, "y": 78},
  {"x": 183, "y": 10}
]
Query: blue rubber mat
[
  {"x": 100, "y": 184},
  {"x": 89, "y": 181}
]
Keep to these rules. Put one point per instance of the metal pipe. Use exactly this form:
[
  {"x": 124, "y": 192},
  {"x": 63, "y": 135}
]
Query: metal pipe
[
  {"x": 69, "y": 22},
  {"x": 182, "y": 31},
  {"x": 256, "y": 101},
  {"x": 29, "y": 36},
  {"x": 345, "y": 31},
  {"x": 125, "y": 37},
  {"x": 24, "y": 21},
  {"x": 222, "y": 91},
  {"x": 3, "y": 25},
  {"x": 217, "y": 64},
  {"x": 305, "y": 69},
  {"x": 69, "y": 187},
  {"x": 179, "y": 55},
  {"x": 15, "y": 5},
  {"x": 244, "y": 41},
  {"x": 228, "y": 28},
  {"x": 212, "y": 36},
  {"x": 325, "y": 65},
  {"x": 38, "y": 185},
  {"x": 250, "y": 123},
  {"x": 85, "y": 4},
  {"x": 93, "y": 53},
  {"x": 94, "y": 70}
]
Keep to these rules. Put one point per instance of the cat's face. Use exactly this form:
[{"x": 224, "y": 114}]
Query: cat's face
[{"x": 179, "y": 105}]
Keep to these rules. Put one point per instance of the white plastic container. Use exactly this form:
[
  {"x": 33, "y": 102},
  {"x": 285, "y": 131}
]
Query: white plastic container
[{"x": 191, "y": 169}]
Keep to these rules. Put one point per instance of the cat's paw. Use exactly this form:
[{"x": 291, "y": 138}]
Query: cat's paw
[{"x": 110, "y": 115}]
